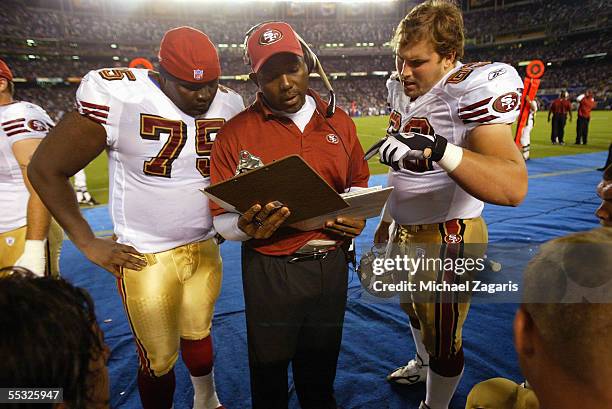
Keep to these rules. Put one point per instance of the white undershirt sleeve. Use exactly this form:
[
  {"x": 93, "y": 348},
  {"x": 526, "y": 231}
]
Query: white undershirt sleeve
[{"x": 226, "y": 225}]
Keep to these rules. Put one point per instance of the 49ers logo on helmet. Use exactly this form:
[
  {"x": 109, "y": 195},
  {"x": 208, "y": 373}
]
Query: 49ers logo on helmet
[
  {"x": 270, "y": 36},
  {"x": 506, "y": 102}
]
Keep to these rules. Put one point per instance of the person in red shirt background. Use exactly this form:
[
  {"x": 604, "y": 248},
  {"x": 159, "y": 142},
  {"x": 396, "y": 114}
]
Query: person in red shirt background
[
  {"x": 559, "y": 109},
  {"x": 587, "y": 103}
]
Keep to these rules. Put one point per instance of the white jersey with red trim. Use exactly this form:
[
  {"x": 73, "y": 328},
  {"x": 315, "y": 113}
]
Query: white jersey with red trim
[
  {"x": 18, "y": 121},
  {"x": 470, "y": 95},
  {"x": 159, "y": 157}
]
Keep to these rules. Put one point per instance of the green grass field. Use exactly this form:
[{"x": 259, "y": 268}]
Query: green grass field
[{"x": 371, "y": 129}]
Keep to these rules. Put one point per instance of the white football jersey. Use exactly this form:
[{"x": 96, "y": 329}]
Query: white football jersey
[
  {"x": 159, "y": 157},
  {"x": 18, "y": 121},
  {"x": 468, "y": 96},
  {"x": 395, "y": 95}
]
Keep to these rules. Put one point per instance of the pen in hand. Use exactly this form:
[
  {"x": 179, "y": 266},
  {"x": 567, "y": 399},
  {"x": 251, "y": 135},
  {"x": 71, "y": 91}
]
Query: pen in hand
[{"x": 374, "y": 148}]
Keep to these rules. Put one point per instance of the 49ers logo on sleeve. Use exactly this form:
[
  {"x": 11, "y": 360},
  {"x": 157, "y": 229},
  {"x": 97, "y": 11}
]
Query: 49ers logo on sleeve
[
  {"x": 507, "y": 102},
  {"x": 38, "y": 126},
  {"x": 332, "y": 138},
  {"x": 270, "y": 36}
]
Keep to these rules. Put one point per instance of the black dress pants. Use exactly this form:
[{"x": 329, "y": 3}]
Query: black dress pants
[
  {"x": 294, "y": 314},
  {"x": 558, "y": 128},
  {"x": 582, "y": 129}
]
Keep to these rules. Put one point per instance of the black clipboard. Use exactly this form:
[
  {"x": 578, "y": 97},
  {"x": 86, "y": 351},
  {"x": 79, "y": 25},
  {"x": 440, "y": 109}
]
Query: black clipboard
[{"x": 289, "y": 180}]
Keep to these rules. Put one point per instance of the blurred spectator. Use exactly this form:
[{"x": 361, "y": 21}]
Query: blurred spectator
[
  {"x": 51, "y": 340},
  {"x": 564, "y": 347}
]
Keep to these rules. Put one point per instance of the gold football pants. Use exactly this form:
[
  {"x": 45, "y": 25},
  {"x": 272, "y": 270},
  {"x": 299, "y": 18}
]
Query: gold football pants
[
  {"x": 173, "y": 297},
  {"x": 12, "y": 244},
  {"x": 440, "y": 314},
  {"x": 501, "y": 393}
]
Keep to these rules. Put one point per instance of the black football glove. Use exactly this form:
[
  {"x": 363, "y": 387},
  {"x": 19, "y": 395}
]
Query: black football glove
[{"x": 411, "y": 145}]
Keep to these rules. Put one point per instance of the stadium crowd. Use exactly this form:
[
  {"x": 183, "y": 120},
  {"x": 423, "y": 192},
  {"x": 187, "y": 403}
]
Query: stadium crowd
[
  {"x": 545, "y": 16},
  {"x": 362, "y": 95},
  {"x": 482, "y": 25},
  {"x": 89, "y": 36}
]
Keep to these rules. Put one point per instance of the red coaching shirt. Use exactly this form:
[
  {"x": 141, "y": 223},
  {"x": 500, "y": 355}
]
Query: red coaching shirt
[
  {"x": 560, "y": 106},
  {"x": 586, "y": 105},
  {"x": 332, "y": 150}
]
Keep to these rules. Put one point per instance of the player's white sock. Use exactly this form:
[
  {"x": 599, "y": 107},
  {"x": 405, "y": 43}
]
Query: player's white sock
[
  {"x": 79, "y": 195},
  {"x": 440, "y": 389},
  {"x": 420, "y": 346},
  {"x": 205, "y": 395}
]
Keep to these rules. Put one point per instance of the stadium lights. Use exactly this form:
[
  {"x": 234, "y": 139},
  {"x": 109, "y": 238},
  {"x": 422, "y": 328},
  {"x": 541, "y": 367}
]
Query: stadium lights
[
  {"x": 115, "y": 58},
  {"x": 75, "y": 57},
  {"x": 359, "y": 74},
  {"x": 380, "y": 73},
  {"x": 223, "y": 45},
  {"x": 31, "y": 43},
  {"x": 523, "y": 63},
  {"x": 548, "y": 64},
  {"x": 31, "y": 56},
  {"x": 113, "y": 45},
  {"x": 595, "y": 55}
]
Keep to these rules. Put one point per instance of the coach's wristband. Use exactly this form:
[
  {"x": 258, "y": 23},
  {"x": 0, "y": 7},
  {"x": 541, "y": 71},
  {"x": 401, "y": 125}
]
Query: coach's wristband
[{"x": 452, "y": 157}]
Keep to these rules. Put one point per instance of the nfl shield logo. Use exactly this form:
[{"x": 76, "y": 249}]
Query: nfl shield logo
[{"x": 198, "y": 74}]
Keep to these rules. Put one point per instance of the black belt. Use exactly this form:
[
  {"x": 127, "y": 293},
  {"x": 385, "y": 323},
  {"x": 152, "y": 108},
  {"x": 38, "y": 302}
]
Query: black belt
[{"x": 313, "y": 255}]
